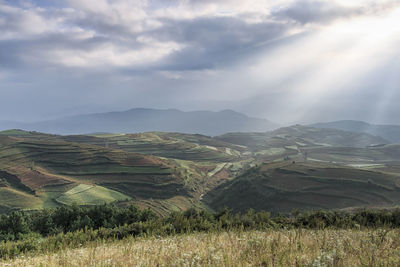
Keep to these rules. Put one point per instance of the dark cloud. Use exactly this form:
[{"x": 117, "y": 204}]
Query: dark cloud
[{"x": 211, "y": 42}]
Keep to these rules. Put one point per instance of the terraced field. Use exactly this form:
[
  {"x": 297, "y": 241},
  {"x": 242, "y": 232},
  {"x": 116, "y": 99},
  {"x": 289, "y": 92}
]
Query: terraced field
[
  {"x": 45, "y": 171},
  {"x": 282, "y": 187},
  {"x": 168, "y": 145},
  {"x": 174, "y": 171}
]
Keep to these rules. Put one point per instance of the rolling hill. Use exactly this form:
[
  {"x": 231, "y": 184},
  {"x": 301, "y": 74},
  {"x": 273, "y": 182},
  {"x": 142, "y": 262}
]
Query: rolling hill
[
  {"x": 147, "y": 120},
  {"x": 174, "y": 171},
  {"x": 43, "y": 173},
  {"x": 389, "y": 132},
  {"x": 163, "y": 171},
  {"x": 282, "y": 187},
  {"x": 303, "y": 136}
]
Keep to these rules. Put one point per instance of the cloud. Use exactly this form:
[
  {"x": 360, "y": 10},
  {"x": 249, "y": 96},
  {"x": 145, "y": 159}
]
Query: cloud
[
  {"x": 62, "y": 57},
  {"x": 308, "y": 11},
  {"x": 152, "y": 35},
  {"x": 212, "y": 42},
  {"x": 321, "y": 12},
  {"x": 107, "y": 34}
]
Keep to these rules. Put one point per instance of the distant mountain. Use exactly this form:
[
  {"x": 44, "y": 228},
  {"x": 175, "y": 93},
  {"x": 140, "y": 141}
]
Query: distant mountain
[
  {"x": 389, "y": 132},
  {"x": 145, "y": 120}
]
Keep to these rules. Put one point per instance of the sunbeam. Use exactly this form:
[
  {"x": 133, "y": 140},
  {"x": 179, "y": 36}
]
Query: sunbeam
[{"x": 332, "y": 61}]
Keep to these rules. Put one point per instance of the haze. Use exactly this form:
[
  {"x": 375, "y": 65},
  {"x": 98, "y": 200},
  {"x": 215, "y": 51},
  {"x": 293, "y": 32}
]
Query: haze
[{"x": 288, "y": 61}]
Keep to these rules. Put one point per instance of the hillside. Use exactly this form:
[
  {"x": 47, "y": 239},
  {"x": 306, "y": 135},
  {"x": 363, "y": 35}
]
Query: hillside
[
  {"x": 175, "y": 171},
  {"x": 50, "y": 173},
  {"x": 147, "y": 120},
  {"x": 389, "y": 132},
  {"x": 282, "y": 187},
  {"x": 169, "y": 145},
  {"x": 162, "y": 171},
  {"x": 303, "y": 136}
]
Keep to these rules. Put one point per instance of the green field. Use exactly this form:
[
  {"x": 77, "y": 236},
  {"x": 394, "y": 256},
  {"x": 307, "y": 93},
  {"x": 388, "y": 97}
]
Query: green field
[
  {"x": 90, "y": 195},
  {"x": 14, "y": 199}
]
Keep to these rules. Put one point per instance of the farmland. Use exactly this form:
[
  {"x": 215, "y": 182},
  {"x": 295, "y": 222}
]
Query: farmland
[{"x": 174, "y": 171}]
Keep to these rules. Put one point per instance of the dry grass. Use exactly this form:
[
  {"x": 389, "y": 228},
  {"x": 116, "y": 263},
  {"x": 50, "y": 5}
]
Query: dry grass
[{"x": 267, "y": 248}]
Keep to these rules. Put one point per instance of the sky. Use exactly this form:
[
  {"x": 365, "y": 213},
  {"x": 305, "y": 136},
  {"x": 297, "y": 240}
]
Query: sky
[{"x": 289, "y": 61}]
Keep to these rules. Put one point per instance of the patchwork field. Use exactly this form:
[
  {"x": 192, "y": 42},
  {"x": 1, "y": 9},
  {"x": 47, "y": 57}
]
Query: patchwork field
[
  {"x": 174, "y": 171},
  {"x": 46, "y": 170}
]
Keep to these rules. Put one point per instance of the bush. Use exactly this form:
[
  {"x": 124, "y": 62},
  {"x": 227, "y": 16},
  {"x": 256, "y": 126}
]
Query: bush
[{"x": 73, "y": 226}]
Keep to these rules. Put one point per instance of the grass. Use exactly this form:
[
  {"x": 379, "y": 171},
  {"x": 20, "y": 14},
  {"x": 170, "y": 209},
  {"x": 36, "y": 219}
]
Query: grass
[
  {"x": 49, "y": 194},
  {"x": 90, "y": 195},
  {"x": 15, "y": 199},
  {"x": 255, "y": 248}
]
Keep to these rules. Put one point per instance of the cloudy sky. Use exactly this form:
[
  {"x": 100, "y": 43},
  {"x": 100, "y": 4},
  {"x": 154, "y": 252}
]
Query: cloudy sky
[{"x": 286, "y": 60}]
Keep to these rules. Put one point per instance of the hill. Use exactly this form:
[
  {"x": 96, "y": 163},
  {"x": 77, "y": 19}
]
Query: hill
[
  {"x": 389, "y": 132},
  {"x": 303, "y": 136},
  {"x": 174, "y": 171},
  {"x": 35, "y": 174},
  {"x": 163, "y": 171},
  {"x": 147, "y": 120},
  {"x": 282, "y": 187},
  {"x": 169, "y": 145}
]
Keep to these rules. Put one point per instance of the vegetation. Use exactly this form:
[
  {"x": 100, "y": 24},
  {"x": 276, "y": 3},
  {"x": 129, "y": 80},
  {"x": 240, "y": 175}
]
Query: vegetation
[
  {"x": 296, "y": 247},
  {"x": 67, "y": 227},
  {"x": 181, "y": 185}
]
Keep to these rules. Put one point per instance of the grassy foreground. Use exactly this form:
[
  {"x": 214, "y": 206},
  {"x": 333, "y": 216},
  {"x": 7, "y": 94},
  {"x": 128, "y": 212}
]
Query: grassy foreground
[{"x": 298, "y": 247}]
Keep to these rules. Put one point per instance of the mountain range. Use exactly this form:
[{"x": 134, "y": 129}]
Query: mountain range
[
  {"x": 209, "y": 123},
  {"x": 145, "y": 120}
]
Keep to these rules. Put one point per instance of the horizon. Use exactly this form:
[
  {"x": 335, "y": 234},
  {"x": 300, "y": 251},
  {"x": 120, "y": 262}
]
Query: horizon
[
  {"x": 216, "y": 111},
  {"x": 287, "y": 61}
]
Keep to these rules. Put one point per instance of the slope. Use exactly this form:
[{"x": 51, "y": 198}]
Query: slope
[
  {"x": 282, "y": 187},
  {"x": 302, "y": 135},
  {"x": 44, "y": 170},
  {"x": 389, "y": 132}
]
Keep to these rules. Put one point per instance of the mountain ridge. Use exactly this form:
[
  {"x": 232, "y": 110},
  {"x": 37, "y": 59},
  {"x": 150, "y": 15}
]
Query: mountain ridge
[{"x": 145, "y": 120}]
